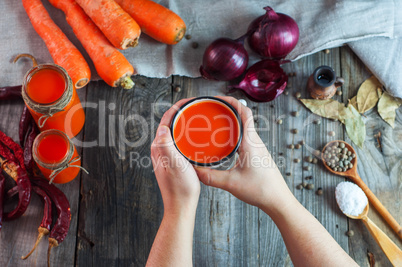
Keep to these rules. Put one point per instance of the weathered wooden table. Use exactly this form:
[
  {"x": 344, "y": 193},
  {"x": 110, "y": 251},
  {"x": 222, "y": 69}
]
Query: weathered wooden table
[{"x": 117, "y": 208}]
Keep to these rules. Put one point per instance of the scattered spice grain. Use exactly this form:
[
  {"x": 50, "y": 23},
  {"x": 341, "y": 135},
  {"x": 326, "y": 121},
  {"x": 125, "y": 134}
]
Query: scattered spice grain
[
  {"x": 350, "y": 233},
  {"x": 310, "y": 186},
  {"x": 319, "y": 191},
  {"x": 194, "y": 45}
]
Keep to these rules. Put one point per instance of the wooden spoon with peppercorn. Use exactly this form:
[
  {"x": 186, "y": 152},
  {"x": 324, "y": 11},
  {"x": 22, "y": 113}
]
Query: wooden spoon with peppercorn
[
  {"x": 338, "y": 160},
  {"x": 391, "y": 250}
]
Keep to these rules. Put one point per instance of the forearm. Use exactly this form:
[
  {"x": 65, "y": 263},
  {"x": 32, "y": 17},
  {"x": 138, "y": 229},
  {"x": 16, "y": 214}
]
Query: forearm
[
  {"x": 173, "y": 243},
  {"x": 307, "y": 241}
]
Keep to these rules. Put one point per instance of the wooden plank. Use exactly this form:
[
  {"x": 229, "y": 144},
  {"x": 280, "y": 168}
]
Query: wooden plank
[
  {"x": 380, "y": 168},
  {"x": 121, "y": 206},
  {"x": 17, "y": 237}
]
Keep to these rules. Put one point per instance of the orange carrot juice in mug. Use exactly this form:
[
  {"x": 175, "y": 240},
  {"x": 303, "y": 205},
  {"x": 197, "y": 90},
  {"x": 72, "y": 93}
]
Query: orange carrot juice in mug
[{"x": 207, "y": 131}]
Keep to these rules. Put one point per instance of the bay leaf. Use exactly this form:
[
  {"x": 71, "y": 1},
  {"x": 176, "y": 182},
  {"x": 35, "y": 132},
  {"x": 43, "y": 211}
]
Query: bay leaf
[
  {"x": 345, "y": 114},
  {"x": 387, "y": 106},
  {"x": 367, "y": 96},
  {"x": 355, "y": 127},
  {"x": 353, "y": 102},
  {"x": 328, "y": 108},
  {"x": 379, "y": 92}
]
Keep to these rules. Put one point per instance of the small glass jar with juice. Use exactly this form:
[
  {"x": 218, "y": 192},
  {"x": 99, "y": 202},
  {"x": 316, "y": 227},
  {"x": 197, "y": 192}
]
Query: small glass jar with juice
[
  {"x": 51, "y": 98},
  {"x": 56, "y": 156}
]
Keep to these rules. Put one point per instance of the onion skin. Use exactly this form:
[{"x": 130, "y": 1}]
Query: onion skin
[
  {"x": 273, "y": 35},
  {"x": 224, "y": 59},
  {"x": 263, "y": 82}
]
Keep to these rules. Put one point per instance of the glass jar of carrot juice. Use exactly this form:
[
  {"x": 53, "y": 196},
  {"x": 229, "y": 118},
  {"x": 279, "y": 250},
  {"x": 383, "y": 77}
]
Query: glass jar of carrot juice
[
  {"x": 52, "y": 100},
  {"x": 56, "y": 156}
]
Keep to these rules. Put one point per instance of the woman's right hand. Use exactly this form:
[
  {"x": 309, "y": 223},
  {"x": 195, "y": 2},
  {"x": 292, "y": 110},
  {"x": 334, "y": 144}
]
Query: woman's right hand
[{"x": 255, "y": 179}]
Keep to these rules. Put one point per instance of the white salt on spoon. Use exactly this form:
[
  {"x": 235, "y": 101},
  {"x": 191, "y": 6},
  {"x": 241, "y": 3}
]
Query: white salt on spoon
[
  {"x": 354, "y": 203},
  {"x": 350, "y": 198}
]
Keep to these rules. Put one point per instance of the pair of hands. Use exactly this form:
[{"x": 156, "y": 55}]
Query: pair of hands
[{"x": 255, "y": 179}]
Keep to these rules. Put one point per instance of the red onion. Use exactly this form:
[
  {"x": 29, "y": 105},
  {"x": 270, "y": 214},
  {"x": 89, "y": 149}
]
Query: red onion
[
  {"x": 264, "y": 81},
  {"x": 224, "y": 59},
  {"x": 273, "y": 35}
]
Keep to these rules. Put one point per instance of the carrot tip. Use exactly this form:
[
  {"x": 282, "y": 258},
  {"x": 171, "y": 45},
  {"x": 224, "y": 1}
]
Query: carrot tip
[
  {"x": 81, "y": 83},
  {"x": 127, "y": 83},
  {"x": 180, "y": 35},
  {"x": 129, "y": 43}
]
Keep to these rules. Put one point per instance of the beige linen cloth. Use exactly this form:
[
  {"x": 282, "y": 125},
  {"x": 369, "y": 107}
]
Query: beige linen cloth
[{"x": 373, "y": 29}]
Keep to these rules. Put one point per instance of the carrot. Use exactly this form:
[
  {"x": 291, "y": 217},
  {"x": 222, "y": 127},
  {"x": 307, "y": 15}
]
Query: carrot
[
  {"x": 63, "y": 52},
  {"x": 155, "y": 20},
  {"x": 110, "y": 64},
  {"x": 121, "y": 29}
]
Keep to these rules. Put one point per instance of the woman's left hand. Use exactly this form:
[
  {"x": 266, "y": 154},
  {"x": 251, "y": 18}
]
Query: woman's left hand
[{"x": 177, "y": 179}]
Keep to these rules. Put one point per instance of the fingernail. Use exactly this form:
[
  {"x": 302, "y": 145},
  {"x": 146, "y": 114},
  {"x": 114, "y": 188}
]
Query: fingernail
[
  {"x": 162, "y": 130},
  {"x": 244, "y": 102}
]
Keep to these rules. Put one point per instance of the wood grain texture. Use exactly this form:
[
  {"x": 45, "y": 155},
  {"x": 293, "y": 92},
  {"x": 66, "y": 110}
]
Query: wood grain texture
[
  {"x": 379, "y": 168},
  {"x": 121, "y": 206},
  {"x": 279, "y": 137},
  {"x": 117, "y": 208},
  {"x": 17, "y": 237}
]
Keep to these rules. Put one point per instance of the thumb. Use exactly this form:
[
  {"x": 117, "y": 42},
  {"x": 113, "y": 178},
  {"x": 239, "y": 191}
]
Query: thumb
[
  {"x": 164, "y": 142},
  {"x": 214, "y": 178}
]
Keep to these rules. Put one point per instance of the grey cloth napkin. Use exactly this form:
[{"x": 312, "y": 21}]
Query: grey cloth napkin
[
  {"x": 383, "y": 56},
  {"x": 366, "y": 25}
]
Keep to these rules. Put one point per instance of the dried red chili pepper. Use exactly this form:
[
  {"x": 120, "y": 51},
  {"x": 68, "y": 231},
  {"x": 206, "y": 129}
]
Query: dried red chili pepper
[
  {"x": 24, "y": 196},
  {"x": 29, "y": 140},
  {"x": 14, "y": 147},
  {"x": 44, "y": 227},
  {"x": 60, "y": 228},
  {"x": 17, "y": 171},
  {"x": 25, "y": 122},
  {"x": 6, "y": 153},
  {"x": 10, "y": 92},
  {"x": 12, "y": 192},
  {"x": 11, "y": 166}
]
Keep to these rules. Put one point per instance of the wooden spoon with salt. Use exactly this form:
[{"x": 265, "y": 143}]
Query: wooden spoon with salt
[
  {"x": 354, "y": 177},
  {"x": 391, "y": 250}
]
